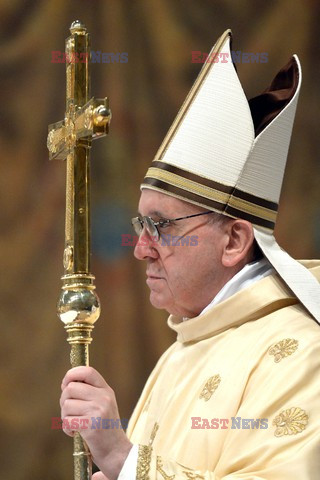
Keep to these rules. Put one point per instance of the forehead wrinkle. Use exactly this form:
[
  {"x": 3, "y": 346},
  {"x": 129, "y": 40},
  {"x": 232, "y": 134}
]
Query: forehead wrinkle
[{"x": 153, "y": 212}]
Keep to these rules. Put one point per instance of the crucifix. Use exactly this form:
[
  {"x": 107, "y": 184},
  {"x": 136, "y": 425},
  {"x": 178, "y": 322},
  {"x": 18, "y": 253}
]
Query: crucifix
[{"x": 70, "y": 139}]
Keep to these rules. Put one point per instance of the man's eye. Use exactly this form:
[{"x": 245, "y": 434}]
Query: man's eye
[{"x": 164, "y": 224}]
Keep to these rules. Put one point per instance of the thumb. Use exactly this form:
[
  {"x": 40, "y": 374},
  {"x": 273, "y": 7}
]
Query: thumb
[{"x": 99, "y": 476}]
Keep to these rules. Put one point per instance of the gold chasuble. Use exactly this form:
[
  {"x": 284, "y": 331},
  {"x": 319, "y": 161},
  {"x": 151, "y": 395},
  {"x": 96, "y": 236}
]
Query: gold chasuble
[{"x": 237, "y": 395}]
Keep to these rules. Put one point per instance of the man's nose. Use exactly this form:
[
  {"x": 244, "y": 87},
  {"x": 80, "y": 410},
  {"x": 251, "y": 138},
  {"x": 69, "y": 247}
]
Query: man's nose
[{"x": 146, "y": 246}]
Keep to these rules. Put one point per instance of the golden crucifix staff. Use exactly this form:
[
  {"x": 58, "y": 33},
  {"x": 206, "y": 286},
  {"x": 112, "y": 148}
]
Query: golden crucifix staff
[{"x": 85, "y": 119}]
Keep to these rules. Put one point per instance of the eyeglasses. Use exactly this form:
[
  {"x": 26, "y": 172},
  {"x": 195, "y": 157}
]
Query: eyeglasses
[{"x": 152, "y": 227}]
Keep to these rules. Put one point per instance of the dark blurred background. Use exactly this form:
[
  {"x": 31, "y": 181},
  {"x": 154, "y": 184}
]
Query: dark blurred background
[{"x": 145, "y": 94}]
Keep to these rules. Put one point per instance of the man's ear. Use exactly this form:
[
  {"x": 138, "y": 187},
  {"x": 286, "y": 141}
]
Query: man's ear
[{"x": 239, "y": 241}]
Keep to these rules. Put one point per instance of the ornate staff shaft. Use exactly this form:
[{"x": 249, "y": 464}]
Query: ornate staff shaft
[{"x": 85, "y": 119}]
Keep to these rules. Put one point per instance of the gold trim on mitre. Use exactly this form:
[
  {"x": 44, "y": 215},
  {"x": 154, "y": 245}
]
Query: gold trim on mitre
[
  {"x": 210, "y": 194},
  {"x": 193, "y": 92}
]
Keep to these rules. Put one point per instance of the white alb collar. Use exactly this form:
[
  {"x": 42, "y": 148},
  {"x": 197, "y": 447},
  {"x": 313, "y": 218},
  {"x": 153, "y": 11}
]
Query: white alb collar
[{"x": 252, "y": 272}]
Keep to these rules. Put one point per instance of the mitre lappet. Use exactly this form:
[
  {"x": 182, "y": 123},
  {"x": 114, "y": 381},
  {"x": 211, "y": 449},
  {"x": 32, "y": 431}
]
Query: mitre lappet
[{"x": 227, "y": 154}]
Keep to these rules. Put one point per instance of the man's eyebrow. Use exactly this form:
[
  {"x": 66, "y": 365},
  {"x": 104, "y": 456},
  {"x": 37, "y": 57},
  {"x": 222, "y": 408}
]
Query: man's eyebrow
[{"x": 155, "y": 213}]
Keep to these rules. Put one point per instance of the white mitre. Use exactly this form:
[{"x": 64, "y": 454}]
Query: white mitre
[{"x": 228, "y": 155}]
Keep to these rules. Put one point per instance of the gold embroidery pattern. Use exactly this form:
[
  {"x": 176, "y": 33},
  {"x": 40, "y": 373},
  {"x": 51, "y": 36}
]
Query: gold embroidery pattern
[
  {"x": 192, "y": 475},
  {"x": 160, "y": 470},
  {"x": 210, "y": 387},
  {"x": 144, "y": 460},
  {"x": 144, "y": 457},
  {"x": 290, "y": 422},
  {"x": 153, "y": 433},
  {"x": 283, "y": 349}
]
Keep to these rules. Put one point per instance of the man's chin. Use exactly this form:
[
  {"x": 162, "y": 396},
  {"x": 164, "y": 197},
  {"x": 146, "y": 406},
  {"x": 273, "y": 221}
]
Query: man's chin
[
  {"x": 158, "y": 301},
  {"x": 161, "y": 302}
]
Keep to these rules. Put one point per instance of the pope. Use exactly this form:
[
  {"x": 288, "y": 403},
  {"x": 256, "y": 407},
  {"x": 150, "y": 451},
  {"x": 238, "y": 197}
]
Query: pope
[{"x": 246, "y": 314}]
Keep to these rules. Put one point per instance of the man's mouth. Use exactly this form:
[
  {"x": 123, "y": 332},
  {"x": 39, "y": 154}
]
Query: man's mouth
[
  {"x": 152, "y": 279},
  {"x": 151, "y": 275}
]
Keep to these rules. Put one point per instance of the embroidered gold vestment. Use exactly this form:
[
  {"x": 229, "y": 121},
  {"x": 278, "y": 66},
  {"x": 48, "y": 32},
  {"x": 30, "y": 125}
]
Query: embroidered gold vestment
[{"x": 237, "y": 395}]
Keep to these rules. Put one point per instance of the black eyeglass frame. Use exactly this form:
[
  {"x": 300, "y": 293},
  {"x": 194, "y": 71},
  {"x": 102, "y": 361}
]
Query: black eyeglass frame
[{"x": 153, "y": 226}]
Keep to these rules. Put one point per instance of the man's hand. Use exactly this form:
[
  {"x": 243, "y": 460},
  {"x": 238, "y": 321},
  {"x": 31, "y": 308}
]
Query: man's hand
[{"x": 86, "y": 395}]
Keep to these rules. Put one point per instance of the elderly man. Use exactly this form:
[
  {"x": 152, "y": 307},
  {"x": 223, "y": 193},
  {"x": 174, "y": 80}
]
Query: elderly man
[{"x": 236, "y": 396}]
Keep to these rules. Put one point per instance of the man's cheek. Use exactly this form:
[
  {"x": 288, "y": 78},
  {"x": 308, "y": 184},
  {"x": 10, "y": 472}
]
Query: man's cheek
[{"x": 167, "y": 260}]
